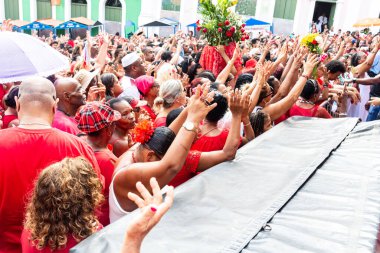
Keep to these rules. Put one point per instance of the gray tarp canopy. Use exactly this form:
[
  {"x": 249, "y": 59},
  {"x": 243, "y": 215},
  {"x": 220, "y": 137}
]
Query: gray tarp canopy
[
  {"x": 315, "y": 182},
  {"x": 156, "y": 24}
]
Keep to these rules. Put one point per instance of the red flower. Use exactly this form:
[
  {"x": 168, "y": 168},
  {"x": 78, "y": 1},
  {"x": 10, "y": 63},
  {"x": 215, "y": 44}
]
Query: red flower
[
  {"x": 229, "y": 33},
  {"x": 220, "y": 30},
  {"x": 143, "y": 131},
  {"x": 242, "y": 30},
  {"x": 220, "y": 24},
  {"x": 232, "y": 29},
  {"x": 199, "y": 28},
  {"x": 314, "y": 42},
  {"x": 205, "y": 30},
  {"x": 198, "y": 22},
  {"x": 247, "y": 37},
  {"x": 243, "y": 25},
  {"x": 243, "y": 38},
  {"x": 226, "y": 22}
]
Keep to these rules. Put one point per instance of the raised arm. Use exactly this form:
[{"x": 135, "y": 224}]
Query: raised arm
[
  {"x": 366, "y": 65},
  {"x": 368, "y": 81},
  {"x": 209, "y": 159},
  {"x": 165, "y": 169},
  {"x": 290, "y": 79},
  {"x": 222, "y": 52},
  {"x": 223, "y": 75},
  {"x": 152, "y": 207},
  {"x": 279, "y": 108}
]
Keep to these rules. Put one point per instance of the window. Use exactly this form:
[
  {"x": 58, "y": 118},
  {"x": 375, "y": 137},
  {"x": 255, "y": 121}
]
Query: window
[
  {"x": 285, "y": 9},
  {"x": 246, "y": 7},
  {"x": 79, "y": 1},
  {"x": 113, "y": 3},
  {"x": 171, "y": 5}
]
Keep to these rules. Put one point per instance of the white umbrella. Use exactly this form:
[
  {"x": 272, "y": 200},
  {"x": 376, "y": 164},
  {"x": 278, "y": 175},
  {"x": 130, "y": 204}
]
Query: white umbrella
[{"x": 23, "y": 56}]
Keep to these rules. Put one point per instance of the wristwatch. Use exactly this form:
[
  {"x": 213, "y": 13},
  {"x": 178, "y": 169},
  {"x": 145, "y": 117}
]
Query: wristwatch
[{"x": 189, "y": 126}]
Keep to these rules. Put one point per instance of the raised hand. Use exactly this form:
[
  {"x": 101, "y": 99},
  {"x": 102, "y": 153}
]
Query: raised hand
[
  {"x": 152, "y": 209},
  {"x": 96, "y": 93},
  {"x": 311, "y": 62},
  {"x": 199, "y": 104},
  {"x": 235, "y": 102},
  {"x": 7, "y": 26}
]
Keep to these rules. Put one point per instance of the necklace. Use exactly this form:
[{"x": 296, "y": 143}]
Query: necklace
[
  {"x": 209, "y": 131},
  {"x": 36, "y": 123},
  {"x": 301, "y": 100}
]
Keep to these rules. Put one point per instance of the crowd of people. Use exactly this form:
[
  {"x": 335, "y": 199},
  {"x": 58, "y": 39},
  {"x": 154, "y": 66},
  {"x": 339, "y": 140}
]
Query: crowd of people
[{"x": 90, "y": 144}]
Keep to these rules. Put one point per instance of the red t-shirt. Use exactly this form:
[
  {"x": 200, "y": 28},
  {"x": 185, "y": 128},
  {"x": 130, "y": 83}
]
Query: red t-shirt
[
  {"x": 211, "y": 143},
  {"x": 189, "y": 169},
  {"x": 28, "y": 248},
  {"x": 8, "y": 119},
  {"x": 106, "y": 160},
  {"x": 65, "y": 123},
  {"x": 160, "y": 122},
  {"x": 23, "y": 154},
  {"x": 149, "y": 110}
]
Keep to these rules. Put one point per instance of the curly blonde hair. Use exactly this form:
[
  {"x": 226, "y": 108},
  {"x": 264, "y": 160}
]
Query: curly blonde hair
[{"x": 64, "y": 201}]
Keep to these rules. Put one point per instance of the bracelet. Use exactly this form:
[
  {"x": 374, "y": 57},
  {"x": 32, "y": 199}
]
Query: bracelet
[
  {"x": 303, "y": 75},
  {"x": 249, "y": 123}
]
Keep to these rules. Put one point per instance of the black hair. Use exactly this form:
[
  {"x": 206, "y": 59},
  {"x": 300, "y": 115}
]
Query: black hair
[
  {"x": 52, "y": 78},
  {"x": 186, "y": 63},
  {"x": 311, "y": 88},
  {"x": 172, "y": 115},
  {"x": 108, "y": 80},
  {"x": 114, "y": 101},
  {"x": 355, "y": 59},
  {"x": 254, "y": 41},
  {"x": 243, "y": 79},
  {"x": 245, "y": 58},
  {"x": 161, "y": 140},
  {"x": 218, "y": 112},
  {"x": 207, "y": 74},
  {"x": 214, "y": 86},
  {"x": 166, "y": 56},
  {"x": 192, "y": 72},
  {"x": 335, "y": 66},
  {"x": 10, "y": 99},
  {"x": 257, "y": 120},
  {"x": 95, "y": 134}
]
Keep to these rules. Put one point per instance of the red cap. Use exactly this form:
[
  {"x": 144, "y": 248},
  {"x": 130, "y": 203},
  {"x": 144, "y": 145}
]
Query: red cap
[
  {"x": 95, "y": 116},
  {"x": 144, "y": 83}
]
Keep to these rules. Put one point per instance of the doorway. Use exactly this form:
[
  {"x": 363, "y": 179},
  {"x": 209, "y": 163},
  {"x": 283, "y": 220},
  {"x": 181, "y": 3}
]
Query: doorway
[{"x": 327, "y": 8}]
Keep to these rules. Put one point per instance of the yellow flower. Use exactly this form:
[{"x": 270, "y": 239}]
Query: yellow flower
[{"x": 234, "y": 2}]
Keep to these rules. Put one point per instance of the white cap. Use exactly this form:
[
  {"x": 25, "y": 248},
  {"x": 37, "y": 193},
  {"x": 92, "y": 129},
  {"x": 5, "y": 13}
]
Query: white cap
[{"x": 129, "y": 59}]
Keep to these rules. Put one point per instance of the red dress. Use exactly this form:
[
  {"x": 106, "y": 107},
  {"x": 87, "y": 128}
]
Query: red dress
[
  {"x": 211, "y": 143},
  {"x": 106, "y": 160},
  {"x": 160, "y": 122},
  {"x": 316, "y": 111},
  {"x": 8, "y": 119},
  {"x": 189, "y": 169},
  {"x": 24, "y": 153}
]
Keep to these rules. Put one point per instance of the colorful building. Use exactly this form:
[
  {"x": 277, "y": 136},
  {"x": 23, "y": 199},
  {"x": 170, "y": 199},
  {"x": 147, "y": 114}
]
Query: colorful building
[
  {"x": 120, "y": 15},
  {"x": 117, "y": 15}
]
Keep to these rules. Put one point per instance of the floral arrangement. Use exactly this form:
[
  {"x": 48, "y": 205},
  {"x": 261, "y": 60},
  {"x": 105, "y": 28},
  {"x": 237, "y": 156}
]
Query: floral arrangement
[
  {"x": 143, "y": 131},
  {"x": 313, "y": 41},
  {"x": 220, "y": 25}
]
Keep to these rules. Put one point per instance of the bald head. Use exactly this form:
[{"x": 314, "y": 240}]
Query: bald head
[
  {"x": 67, "y": 85},
  {"x": 37, "y": 98},
  {"x": 37, "y": 89}
]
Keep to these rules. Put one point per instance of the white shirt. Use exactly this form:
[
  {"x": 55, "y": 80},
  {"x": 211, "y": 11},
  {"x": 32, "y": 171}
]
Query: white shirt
[{"x": 129, "y": 88}]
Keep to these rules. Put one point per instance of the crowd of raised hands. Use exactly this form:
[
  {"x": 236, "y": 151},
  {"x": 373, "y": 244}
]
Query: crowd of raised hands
[{"x": 277, "y": 78}]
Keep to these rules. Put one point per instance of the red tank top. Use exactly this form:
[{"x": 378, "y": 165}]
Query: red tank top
[{"x": 8, "y": 119}]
